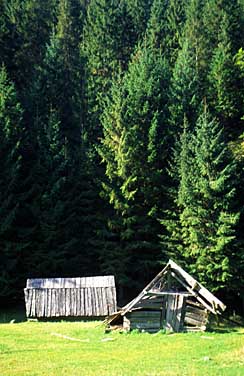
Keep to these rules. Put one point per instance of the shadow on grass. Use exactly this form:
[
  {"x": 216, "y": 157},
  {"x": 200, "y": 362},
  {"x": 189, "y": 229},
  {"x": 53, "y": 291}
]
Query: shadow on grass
[
  {"x": 71, "y": 319},
  {"x": 225, "y": 330},
  {"x": 17, "y": 315},
  {"x": 12, "y": 314}
]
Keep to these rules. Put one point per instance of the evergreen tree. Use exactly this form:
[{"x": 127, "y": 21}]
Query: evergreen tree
[
  {"x": 139, "y": 12},
  {"x": 185, "y": 89},
  {"x": 205, "y": 231},
  {"x": 134, "y": 151},
  {"x": 10, "y": 133},
  {"x": 165, "y": 27},
  {"x": 225, "y": 87},
  {"x": 107, "y": 47},
  {"x": 189, "y": 75},
  {"x": 70, "y": 204},
  {"x": 26, "y": 31}
]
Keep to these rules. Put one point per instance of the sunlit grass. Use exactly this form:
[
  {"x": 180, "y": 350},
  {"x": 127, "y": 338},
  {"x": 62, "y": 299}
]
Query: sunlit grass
[{"x": 41, "y": 348}]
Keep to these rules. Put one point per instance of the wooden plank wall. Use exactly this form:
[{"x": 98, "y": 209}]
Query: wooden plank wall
[
  {"x": 150, "y": 321},
  {"x": 196, "y": 317},
  {"x": 64, "y": 302},
  {"x": 175, "y": 312}
]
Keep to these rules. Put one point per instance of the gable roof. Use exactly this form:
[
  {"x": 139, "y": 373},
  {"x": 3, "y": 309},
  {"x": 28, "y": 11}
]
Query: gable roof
[{"x": 159, "y": 287}]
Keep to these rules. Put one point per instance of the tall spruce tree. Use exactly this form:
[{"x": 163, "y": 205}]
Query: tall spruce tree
[
  {"x": 27, "y": 25},
  {"x": 165, "y": 27},
  {"x": 11, "y": 243},
  {"x": 134, "y": 149},
  {"x": 189, "y": 75},
  {"x": 139, "y": 11},
  {"x": 108, "y": 43},
  {"x": 225, "y": 89},
  {"x": 205, "y": 230},
  {"x": 70, "y": 204}
]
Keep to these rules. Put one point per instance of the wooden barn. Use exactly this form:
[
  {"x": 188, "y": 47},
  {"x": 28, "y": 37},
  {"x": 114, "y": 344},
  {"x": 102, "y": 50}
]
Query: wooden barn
[
  {"x": 66, "y": 297},
  {"x": 173, "y": 300}
]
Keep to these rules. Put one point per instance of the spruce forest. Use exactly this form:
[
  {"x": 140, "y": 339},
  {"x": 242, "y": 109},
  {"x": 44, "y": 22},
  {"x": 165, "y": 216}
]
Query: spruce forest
[{"x": 122, "y": 141}]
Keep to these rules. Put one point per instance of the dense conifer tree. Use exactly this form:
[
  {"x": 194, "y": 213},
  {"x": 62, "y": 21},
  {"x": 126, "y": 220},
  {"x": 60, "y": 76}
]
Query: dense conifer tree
[
  {"x": 225, "y": 89},
  {"x": 206, "y": 226},
  {"x": 12, "y": 239},
  {"x": 139, "y": 13},
  {"x": 108, "y": 44},
  {"x": 189, "y": 74},
  {"x": 134, "y": 149},
  {"x": 165, "y": 27}
]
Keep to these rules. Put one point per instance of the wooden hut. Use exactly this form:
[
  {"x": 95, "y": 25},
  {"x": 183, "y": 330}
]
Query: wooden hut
[
  {"x": 173, "y": 300},
  {"x": 65, "y": 297}
]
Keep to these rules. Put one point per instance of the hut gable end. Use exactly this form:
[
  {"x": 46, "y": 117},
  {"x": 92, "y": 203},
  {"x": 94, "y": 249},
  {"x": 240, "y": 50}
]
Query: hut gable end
[{"x": 173, "y": 300}]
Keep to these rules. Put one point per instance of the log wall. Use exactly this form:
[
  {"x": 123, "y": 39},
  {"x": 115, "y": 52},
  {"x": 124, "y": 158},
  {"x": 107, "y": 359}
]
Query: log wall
[{"x": 149, "y": 321}]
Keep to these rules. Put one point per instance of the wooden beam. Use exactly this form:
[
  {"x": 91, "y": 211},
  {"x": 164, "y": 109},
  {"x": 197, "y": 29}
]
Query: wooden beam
[
  {"x": 162, "y": 293},
  {"x": 194, "y": 285},
  {"x": 144, "y": 292},
  {"x": 210, "y": 308}
]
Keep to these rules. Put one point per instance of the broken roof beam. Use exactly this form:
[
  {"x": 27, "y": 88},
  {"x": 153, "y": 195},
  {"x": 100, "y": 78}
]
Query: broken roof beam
[
  {"x": 145, "y": 290},
  {"x": 194, "y": 285},
  {"x": 163, "y": 293}
]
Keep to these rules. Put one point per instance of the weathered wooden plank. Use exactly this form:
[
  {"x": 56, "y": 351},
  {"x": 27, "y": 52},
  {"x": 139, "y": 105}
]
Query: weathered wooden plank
[
  {"x": 82, "y": 311},
  {"x": 96, "y": 302},
  {"x": 33, "y": 303},
  {"x": 193, "y": 303},
  {"x": 77, "y": 302},
  {"x": 196, "y": 322},
  {"x": 145, "y": 314},
  {"x": 162, "y": 293},
  {"x": 101, "y": 307},
  {"x": 206, "y": 305},
  {"x": 90, "y": 302},
  {"x": 196, "y": 286},
  {"x": 110, "y": 300},
  {"x": 202, "y": 315},
  {"x": 89, "y": 307},
  {"x": 155, "y": 325},
  {"x": 27, "y": 300},
  {"x": 61, "y": 293},
  {"x": 49, "y": 303},
  {"x": 86, "y": 302},
  {"x": 105, "y": 301},
  {"x": 67, "y": 302},
  {"x": 178, "y": 312},
  {"x": 145, "y": 290},
  {"x": 56, "y": 298},
  {"x": 114, "y": 298},
  {"x": 169, "y": 312},
  {"x": 194, "y": 309},
  {"x": 38, "y": 302},
  {"x": 73, "y": 302},
  {"x": 194, "y": 328}
]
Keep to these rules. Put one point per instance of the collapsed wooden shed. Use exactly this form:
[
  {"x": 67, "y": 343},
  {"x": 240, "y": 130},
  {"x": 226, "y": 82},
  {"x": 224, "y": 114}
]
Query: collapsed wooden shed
[
  {"x": 173, "y": 300},
  {"x": 65, "y": 297}
]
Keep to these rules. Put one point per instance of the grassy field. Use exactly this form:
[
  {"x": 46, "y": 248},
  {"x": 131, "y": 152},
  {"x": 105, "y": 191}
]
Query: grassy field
[{"x": 82, "y": 348}]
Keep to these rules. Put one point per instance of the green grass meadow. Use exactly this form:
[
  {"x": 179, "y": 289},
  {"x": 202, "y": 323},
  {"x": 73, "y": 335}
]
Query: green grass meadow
[{"x": 83, "y": 348}]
